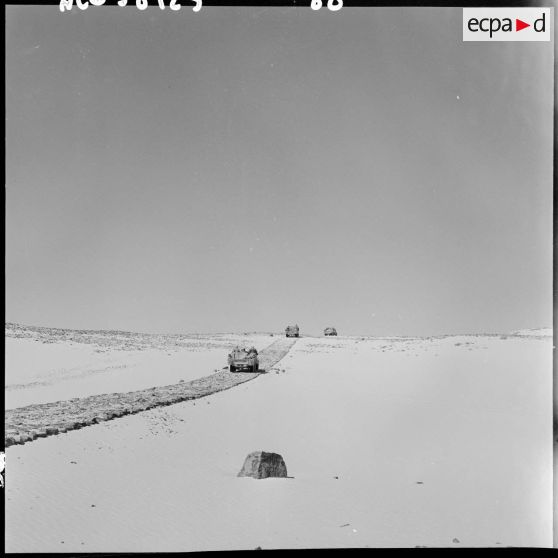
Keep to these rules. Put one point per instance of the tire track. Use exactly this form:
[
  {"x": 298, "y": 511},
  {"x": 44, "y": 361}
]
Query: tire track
[{"x": 26, "y": 424}]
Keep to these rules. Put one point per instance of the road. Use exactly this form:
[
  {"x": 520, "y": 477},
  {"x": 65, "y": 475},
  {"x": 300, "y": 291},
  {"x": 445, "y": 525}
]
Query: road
[{"x": 25, "y": 424}]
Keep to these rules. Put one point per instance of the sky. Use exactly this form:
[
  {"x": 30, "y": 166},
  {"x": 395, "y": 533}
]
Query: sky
[{"x": 241, "y": 169}]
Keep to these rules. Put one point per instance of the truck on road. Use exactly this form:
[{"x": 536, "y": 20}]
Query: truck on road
[
  {"x": 244, "y": 359},
  {"x": 292, "y": 331}
]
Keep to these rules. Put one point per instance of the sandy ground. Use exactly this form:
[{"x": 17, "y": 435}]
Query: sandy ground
[{"x": 391, "y": 442}]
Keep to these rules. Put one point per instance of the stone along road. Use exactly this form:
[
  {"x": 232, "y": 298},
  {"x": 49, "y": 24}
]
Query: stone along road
[{"x": 25, "y": 424}]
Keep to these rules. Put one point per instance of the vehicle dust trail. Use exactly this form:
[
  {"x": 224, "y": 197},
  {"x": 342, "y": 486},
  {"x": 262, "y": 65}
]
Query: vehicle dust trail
[{"x": 25, "y": 424}]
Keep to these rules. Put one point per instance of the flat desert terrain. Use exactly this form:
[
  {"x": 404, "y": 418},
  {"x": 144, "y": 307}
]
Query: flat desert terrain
[{"x": 388, "y": 442}]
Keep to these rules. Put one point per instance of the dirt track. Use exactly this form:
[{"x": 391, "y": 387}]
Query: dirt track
[{"x": 25, "y": 424}]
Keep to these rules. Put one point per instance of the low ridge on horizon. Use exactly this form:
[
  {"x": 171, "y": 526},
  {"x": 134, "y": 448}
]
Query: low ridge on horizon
[{"x": 546, "y": 331}]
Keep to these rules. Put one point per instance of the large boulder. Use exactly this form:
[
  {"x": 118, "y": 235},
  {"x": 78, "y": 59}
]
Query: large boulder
[{"x": 262, "y": 464}]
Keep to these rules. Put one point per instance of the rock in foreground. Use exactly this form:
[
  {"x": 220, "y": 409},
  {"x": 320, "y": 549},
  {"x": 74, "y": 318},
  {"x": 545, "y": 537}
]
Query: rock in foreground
[{"x": 262, "y": 464}]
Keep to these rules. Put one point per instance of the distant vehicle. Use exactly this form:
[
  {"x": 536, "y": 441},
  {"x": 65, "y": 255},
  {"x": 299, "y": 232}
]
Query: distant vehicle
[
  {"x": 330, "y": 331},
  {"x": 244, "y": 359},
  {"x": 291, "y": 331}
]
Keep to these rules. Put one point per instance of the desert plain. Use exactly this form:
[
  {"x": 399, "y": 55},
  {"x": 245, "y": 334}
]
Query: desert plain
[{"x": 389, "y": 442}]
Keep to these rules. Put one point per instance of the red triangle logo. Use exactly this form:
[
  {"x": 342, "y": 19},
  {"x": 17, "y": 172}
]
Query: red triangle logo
[{"x": 519, "y": 25}]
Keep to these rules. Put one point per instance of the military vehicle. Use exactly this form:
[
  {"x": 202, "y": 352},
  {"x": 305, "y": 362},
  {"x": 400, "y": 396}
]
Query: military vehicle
[
  {"x": 291, "y": 331},
  {"x": 330, "y": 331},
  {"x": 244, "y": 359}
]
